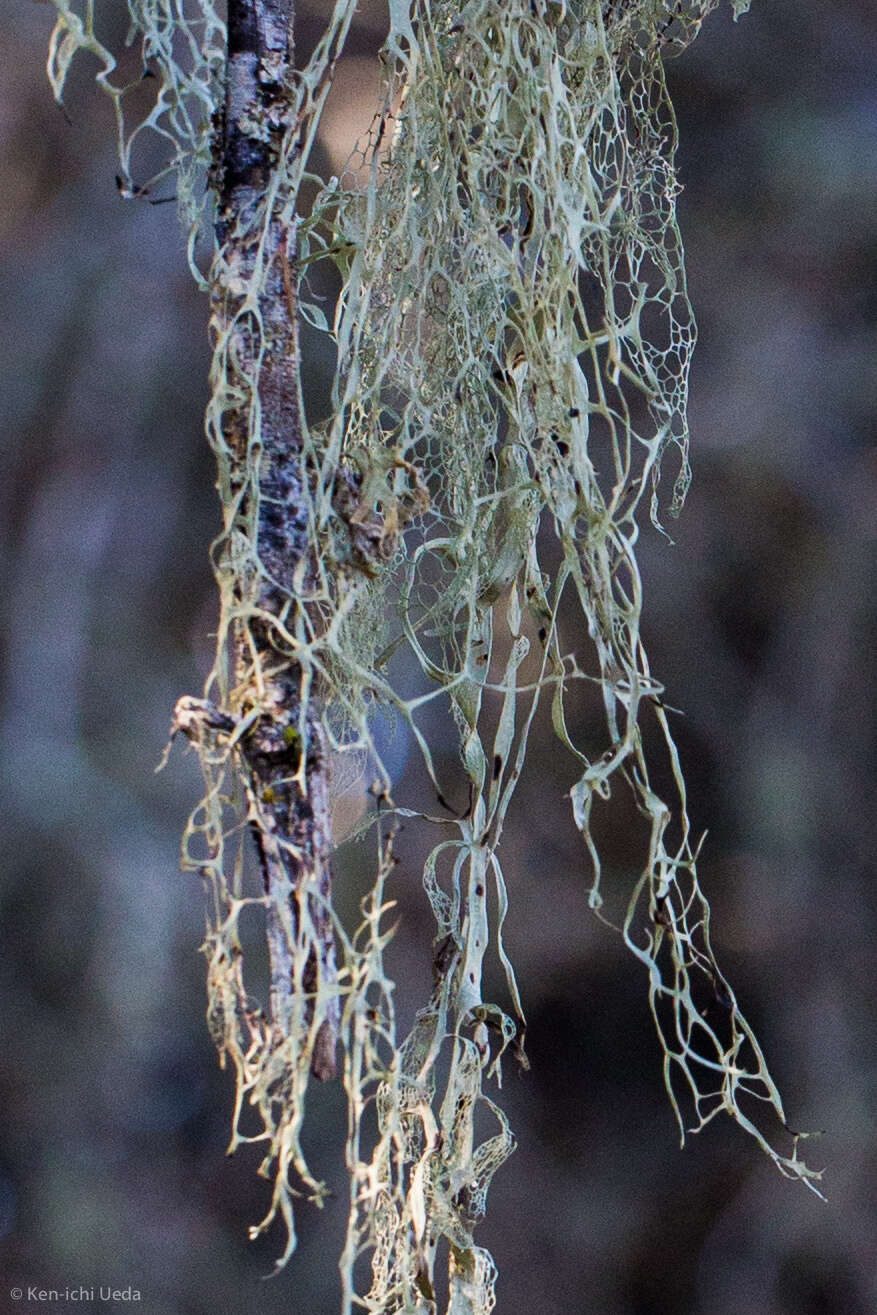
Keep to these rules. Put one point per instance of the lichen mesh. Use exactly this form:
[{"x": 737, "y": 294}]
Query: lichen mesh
[{"x": 513, "y": 339}]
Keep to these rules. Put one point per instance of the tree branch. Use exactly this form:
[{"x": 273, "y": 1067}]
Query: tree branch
[{"x": 283, "y": 757}]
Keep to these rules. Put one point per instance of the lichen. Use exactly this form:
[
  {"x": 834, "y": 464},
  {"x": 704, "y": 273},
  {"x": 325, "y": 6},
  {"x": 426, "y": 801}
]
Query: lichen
[{"x": 513, "y": 339}]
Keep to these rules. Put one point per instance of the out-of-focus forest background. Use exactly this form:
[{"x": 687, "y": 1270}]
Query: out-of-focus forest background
[{"x": 761, "y": 623}]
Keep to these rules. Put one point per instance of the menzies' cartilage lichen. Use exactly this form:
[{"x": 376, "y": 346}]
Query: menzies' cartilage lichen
[{"x": 513, "y": 337}]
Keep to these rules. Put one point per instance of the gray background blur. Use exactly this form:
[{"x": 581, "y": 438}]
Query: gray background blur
[{"x": 761, "y": 622}]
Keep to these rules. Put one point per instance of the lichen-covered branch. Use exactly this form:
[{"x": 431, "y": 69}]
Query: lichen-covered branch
[
  {"x": 513, "y": 339},
  {"x": 259, "y": 438}
]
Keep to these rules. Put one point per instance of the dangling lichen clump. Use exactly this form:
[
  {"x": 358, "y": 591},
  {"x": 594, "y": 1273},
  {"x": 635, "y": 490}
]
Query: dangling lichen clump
[{"x": 513, "y": 340}]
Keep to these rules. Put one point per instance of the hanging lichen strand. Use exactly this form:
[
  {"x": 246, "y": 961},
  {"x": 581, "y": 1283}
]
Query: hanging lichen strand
[{"x": 513, "y": 340}]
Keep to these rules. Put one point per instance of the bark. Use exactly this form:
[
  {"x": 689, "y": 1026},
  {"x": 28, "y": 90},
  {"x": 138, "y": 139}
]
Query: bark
[{"x": 283, "y": 757}]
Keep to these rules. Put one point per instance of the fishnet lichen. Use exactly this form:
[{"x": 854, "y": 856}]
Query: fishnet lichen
[{"x": 513, "y": 339}]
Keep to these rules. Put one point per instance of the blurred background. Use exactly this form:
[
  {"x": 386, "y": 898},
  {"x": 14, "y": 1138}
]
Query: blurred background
[{"x": 760, "y": 621}]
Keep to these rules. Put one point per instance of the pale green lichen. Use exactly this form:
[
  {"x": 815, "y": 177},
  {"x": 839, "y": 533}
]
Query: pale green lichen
[{"x": 513, "y": 341}]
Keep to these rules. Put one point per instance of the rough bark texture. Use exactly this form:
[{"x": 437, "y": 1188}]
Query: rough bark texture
[{"x": 289, "y": 806}]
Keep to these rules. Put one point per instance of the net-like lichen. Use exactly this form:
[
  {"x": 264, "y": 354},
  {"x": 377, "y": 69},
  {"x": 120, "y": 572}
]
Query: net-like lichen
[{"x": 513, "y": 338}]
